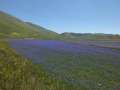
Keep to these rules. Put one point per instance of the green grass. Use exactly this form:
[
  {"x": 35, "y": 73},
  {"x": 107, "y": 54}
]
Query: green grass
[
  {"x": 94, "y": 72},
  {"x": 18, "y": 73}
]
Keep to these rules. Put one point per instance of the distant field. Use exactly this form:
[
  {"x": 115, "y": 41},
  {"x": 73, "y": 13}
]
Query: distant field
[{"x": 90, "y": 64}]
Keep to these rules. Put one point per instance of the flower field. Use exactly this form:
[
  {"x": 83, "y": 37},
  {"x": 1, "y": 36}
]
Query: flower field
[{"x": 93, "y": 65}]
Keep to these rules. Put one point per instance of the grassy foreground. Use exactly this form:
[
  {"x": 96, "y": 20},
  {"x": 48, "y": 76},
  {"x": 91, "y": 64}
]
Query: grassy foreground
[{"x": 18, "y": 73}]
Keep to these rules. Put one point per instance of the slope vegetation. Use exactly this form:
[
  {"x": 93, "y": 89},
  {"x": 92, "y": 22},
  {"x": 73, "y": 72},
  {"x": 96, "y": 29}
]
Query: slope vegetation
[{"x": 11, "y": 27}]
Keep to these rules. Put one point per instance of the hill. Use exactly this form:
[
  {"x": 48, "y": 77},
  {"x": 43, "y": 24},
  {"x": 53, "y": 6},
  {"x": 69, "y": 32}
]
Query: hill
[
  {"x": 90, "y": 36},
  {"x": 12, "y": 27}
]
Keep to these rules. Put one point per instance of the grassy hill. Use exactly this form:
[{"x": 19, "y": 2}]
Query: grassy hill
[
  {"x": 89, "y": 36},
  {"x": 11, "y": 27}
]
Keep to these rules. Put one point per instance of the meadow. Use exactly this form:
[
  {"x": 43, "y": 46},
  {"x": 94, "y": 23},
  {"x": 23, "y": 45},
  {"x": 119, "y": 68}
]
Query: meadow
[
  {"x": 19, "y": 73},
  {"x": 35, "y": 58},
  {"x": 85, "y": 65}
]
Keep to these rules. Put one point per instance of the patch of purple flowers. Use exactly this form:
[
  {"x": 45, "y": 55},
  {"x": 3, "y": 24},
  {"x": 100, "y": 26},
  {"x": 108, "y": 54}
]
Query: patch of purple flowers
[{"x": 36, "y": 46}]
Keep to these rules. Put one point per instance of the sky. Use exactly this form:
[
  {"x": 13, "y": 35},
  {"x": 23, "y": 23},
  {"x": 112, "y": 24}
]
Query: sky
[{"x": 79, "y": 16}]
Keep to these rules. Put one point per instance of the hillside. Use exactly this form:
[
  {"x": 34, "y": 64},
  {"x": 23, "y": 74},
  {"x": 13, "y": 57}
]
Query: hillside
[
  {"x": 11, "y": 27},
  {"x": 90, "y": 36}
]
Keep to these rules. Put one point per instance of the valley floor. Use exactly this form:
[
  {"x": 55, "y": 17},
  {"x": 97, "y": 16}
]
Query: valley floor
[
  {"x": 87, "y": 65},
  {"x": 19, "y": 73}
]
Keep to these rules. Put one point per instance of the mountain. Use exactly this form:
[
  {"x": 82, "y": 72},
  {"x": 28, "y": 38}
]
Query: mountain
[
  {"x": 45, "y": 32},
  {"x": 90, "y": 36},
  {"x": 12, "y": 27}
]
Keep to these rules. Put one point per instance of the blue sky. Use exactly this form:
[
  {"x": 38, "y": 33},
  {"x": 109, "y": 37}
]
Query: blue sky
[{"x": 82, "y": 16}]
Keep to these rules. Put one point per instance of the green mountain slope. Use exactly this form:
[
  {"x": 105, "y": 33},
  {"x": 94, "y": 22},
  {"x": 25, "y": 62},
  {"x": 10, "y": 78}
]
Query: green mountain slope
[
  {"x": 11, "y": 27},
  {"x": 43, "y": 31},
  {"x": 89, "y": 36}
]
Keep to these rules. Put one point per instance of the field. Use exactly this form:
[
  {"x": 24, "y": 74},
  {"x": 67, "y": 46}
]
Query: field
[
  {"x": 86, "y": 65},
  {"x": 19, "y": 73}
]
